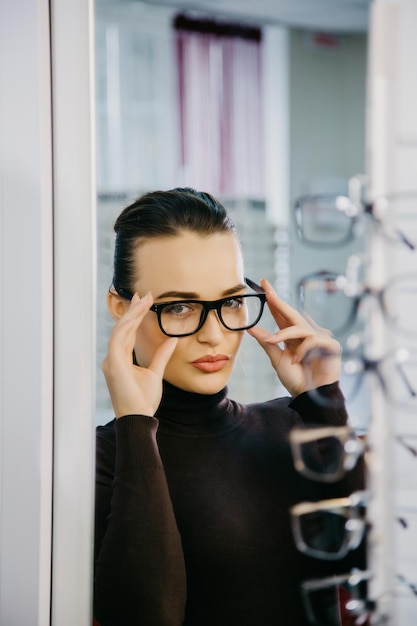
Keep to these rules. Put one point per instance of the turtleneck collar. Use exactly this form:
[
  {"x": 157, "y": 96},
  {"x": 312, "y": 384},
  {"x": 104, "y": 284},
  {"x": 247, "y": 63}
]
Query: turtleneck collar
[{"x": 195, "y": 413}]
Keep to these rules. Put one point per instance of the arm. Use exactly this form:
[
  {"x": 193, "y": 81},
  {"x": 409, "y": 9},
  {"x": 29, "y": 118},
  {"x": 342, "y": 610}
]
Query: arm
[
  {"x": 330, "y": 412},
  {"x": 307, "y": 361},
  {"x": 139, "y": 566}
]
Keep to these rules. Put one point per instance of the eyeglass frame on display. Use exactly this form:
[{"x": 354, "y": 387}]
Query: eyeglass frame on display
[
  {"x": 353, "y": 206},
  {"x": 360, "y": 606},
  {"x": 366, "y": 605},
  {"x": 357, "y": 293},
  {"x": 354, "y": 527},
  {"x": 353, "y": 448},
  {"x": 353, "y": 361}
]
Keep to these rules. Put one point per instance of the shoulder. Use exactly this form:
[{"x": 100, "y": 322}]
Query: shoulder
[
  {"x": 276, "y": 414},
  {"x": 106, "y": 442},
  {"x": 106, "y": 432},
  {"x": 270, "y": 407}
]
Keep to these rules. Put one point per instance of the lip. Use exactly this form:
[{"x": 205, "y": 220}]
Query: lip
[{"x": 211, "y": 363}]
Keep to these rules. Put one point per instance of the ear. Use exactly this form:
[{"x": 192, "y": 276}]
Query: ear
[{"x": 117, "y": 305}]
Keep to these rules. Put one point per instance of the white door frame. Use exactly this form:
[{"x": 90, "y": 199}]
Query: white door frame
[
  {"x": 47, "y": 311},
  {"x": 75, "y": 248}
]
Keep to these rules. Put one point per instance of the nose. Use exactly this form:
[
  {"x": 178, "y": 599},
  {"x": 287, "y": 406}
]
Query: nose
[{"x": 212, "y": 330}]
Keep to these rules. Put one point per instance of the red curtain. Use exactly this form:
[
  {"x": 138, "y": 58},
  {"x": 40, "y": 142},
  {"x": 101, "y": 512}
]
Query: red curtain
[{"x": 220, "y": 103}]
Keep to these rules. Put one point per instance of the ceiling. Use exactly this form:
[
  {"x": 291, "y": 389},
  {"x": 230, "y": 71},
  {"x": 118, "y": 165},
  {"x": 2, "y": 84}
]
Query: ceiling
[{"x": 324, "y": 15}]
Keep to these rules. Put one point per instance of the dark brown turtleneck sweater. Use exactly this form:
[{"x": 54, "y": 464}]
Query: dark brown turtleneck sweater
[{"x": 192, "y": 522}]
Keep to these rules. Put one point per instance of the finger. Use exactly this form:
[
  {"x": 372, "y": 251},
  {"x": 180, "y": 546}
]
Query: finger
[
  {"x": 262, "y": 336},
  {"x": 313, "y": 324},
  {"x": 317, "y": 350},
  {"x": 282, "y": 312},
  {"x": 138, "y": 306},
  {"x": 163, "y": 355},
  {"x": 259, "y": 333},
  {"x": 289, "y": 333},
  {"x": 124, "y": 331}
]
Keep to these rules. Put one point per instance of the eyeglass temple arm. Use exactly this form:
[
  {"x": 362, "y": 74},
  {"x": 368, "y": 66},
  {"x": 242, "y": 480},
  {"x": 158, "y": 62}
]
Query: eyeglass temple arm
[
  {"x": 254, "y": 285},
  {"x": 128, "y": 295}
]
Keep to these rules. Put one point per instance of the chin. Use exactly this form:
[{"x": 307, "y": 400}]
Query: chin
[{"x": 205, "y": 384}]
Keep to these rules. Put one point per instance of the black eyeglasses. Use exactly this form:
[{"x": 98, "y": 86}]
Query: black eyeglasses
[
  {"x": 181, "y": 318},
  {"x": 332, "y": 300}
]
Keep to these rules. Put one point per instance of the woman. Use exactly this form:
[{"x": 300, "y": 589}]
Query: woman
[{"x": 193, "y": 489}]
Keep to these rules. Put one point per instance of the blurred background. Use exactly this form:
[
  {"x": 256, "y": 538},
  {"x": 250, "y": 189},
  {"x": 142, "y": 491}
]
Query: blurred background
[{"x": 256, "y": 103}]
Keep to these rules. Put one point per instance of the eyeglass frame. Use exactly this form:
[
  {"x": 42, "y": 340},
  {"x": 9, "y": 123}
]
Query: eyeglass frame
[
  {"x": 360, "y": 606},
  {"x": 352, "y": 450},
  {"x": 351, "y": 361},
  {"x": 354, "y": 214},
  {"x": 350, "y": 510},
  {"x": 207, "y": 305},
  {"x": 357, "y": 296},
  {"x": 355, "y": 207}
]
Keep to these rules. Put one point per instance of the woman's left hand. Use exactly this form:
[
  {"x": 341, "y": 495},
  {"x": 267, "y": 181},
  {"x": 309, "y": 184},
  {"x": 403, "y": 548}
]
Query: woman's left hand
[{"x": 310, "y": 356}]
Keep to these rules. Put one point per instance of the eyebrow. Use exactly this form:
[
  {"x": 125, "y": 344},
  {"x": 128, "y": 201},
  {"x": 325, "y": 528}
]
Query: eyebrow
[{"x": 191, "y": 295}]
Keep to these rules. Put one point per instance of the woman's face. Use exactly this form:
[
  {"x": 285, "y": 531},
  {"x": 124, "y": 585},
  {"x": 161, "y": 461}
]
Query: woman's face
[{"x": 191, "y": 266}]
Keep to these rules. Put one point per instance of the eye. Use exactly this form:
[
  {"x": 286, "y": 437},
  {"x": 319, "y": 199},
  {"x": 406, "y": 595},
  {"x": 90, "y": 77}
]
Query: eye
[
  {"x": 233, "y": 303},
  {"x": 178, "y": 309}
]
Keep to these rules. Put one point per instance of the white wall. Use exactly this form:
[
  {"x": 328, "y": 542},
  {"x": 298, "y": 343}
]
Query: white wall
[{"x": 327, "y": 130}]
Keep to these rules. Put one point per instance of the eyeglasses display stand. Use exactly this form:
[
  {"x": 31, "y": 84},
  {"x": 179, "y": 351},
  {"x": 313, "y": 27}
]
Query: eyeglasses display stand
[{"x": 390, "y": 170}]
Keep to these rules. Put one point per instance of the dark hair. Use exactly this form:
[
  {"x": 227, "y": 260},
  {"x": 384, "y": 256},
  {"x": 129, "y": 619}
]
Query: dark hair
[{"x": 166, "y": 214}]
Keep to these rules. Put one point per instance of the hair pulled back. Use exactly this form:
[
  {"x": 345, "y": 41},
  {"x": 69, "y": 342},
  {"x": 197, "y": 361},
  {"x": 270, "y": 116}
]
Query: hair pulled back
[{"x": 162, "y": 214}]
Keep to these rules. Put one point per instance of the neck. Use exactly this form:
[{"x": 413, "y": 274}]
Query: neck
[{"x": 183, "y": 407}]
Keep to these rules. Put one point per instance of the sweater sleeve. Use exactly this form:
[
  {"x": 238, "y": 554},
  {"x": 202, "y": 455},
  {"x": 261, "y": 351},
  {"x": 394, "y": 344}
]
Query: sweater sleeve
[
  {"x": 139, "y": 565},
  {"x": 331, "y": 411}
]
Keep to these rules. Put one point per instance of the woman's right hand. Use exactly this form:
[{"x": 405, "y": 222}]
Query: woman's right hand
[{"x": 134, "y": 389}]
